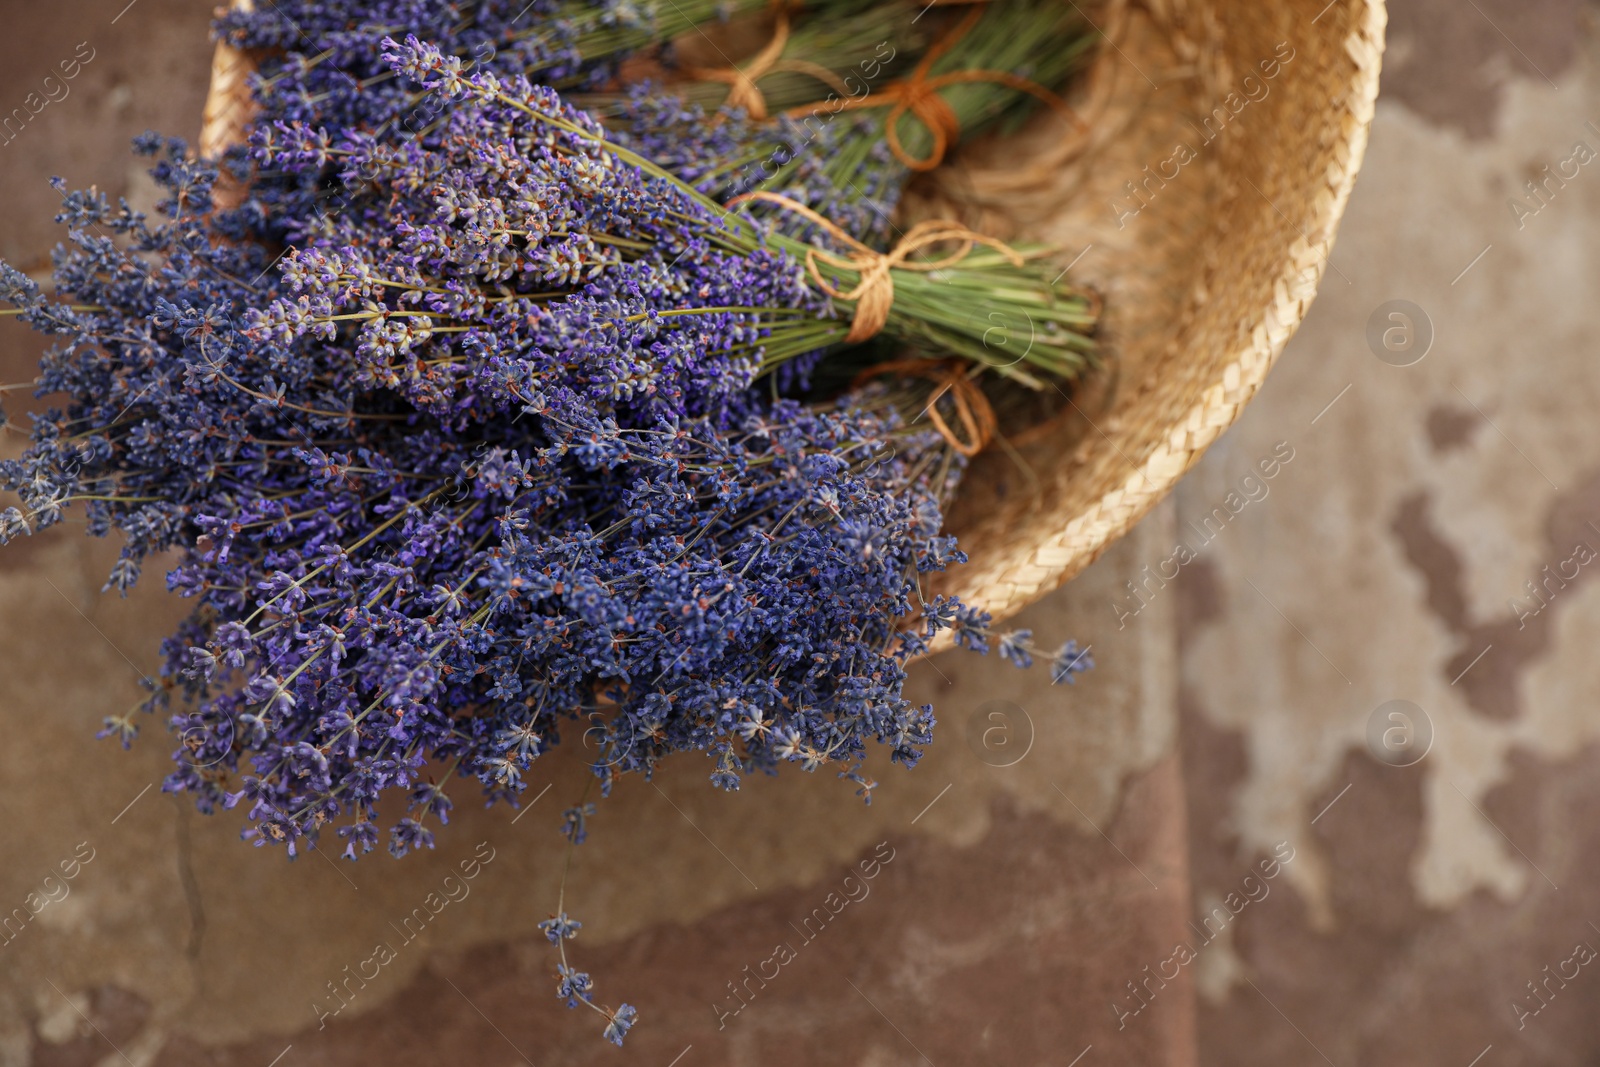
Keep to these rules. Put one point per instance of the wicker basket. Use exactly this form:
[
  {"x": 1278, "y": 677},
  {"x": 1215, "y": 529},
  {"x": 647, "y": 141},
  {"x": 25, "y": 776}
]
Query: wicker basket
[{"x": 1209, "y": 258}]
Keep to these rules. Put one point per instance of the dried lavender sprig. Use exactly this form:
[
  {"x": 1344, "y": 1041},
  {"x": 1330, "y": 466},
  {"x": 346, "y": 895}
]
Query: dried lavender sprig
[{"x": 575, "y": 986}]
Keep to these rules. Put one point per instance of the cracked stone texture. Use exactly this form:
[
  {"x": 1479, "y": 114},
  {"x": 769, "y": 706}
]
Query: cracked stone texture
[{"x": 1389, "y": 558}]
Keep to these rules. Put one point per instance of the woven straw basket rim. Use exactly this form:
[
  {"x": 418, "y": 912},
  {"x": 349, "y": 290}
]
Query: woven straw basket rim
[{"x": 1206, "y": 280}]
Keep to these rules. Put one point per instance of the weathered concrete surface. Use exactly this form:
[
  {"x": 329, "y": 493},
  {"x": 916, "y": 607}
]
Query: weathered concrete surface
[{"x": 1391, "y": 561}]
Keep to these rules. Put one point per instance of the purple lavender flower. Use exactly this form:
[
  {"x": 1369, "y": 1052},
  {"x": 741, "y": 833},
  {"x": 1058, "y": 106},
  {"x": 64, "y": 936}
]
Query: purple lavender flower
[
  {"x": 1016, "y": 647},
  {"x": 559, "y": 928},
  {"x": 574, "y": 986},
  {"x": 620, "y": 1023},
  {"x": 1069, "y": 662}
]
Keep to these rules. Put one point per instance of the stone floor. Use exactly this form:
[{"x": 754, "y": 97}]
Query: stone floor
[{"x": 1393, "y": 879}]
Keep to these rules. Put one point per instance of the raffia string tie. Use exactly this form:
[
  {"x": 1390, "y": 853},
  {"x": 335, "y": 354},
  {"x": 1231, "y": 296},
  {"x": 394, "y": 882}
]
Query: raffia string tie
[
  {"x": 918, "y": 95},
  {"x": 949, "y": 376},
  {"x": 743, "y": 92},
  {"x": 873, "y": 293}
]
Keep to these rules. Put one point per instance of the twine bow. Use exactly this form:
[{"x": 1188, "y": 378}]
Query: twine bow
[
  {"x": 918, "y": 95},
  {"x": 743, "y": 92},
  {"x": 949, "y": 376},
  {"x": 873, "y": 293}
]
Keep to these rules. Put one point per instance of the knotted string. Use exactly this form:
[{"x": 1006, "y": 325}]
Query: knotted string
[
  {"x": 743, "y": 92},
  {"x": 949, "y": 376},
  {"x": 873, "y": 293},
  {"x": 918, "y": 95}
]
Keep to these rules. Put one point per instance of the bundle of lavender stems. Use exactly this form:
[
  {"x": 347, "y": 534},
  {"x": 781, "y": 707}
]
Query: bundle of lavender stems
[{"x": 486, "y": 416}]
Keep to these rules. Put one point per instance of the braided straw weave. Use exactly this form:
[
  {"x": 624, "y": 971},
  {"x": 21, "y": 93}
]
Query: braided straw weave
[
  {"x": 228, "y": 105},
  {"x": 1206, "y": 276}
]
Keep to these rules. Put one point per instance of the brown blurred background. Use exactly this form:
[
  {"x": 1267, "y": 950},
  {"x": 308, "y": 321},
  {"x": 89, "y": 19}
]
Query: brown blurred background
[{"x": 1432, "y": 896}]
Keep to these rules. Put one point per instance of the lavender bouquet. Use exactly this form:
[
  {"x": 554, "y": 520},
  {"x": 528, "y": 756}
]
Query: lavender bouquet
[
  {"x": 525, "y": 189},
  {"x": 503, "y": 450}
]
